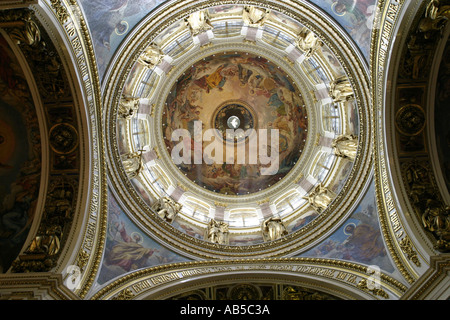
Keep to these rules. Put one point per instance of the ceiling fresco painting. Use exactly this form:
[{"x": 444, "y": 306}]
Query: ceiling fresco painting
[
  {"x": 259, "y": 127},
  {"x": 110, "y": 21},
  {"x": 259, "y": 96},
  {"x": 359, "y": 238},
  {"x": 356, "y": 16},
  {"x": 20, "y": 156}
]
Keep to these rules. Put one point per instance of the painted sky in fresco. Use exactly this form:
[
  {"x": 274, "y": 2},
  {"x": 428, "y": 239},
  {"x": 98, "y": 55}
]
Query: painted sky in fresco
[
  {"x": 355, "y": 16},
  {"x": 110, "y": 21}
]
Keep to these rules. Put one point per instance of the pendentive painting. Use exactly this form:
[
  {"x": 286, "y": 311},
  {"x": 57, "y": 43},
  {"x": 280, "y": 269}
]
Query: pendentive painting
[
  {"x": 128, "y": 248},
  {"x": 110, "y": 21},
  {"x": 357, "y": 18},
  {"x": 359, "y": 239}
]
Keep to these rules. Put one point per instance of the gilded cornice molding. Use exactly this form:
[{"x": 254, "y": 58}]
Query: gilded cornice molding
[
  {"x": 37, "y": 286},
  {"x": 399, "y": 172},
  {"x": 430, "y": 284},
  {"x": 74, "y": 29},
  {"x": 350, "y": 276},
  {"x": 389, "y": 12}
]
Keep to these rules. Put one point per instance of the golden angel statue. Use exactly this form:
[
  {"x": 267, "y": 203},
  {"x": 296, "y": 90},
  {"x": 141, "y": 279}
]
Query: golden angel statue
[
  {"x": 273, "y": 228},
  {"x": 341, "y": 90},
  {"x": 198, "y": 22},
  {"x": 254, "y": 17},
  {"x": 151, "y": 57},
  {"x": 320, "y": 198},
  {"x": 308, "y": 42},
  {"x": 167, "y": 208},
  {"x": 346, "y": 146}
]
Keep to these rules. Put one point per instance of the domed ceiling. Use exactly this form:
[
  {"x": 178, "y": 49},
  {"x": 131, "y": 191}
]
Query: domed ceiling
[
  {"x": 239, "y": 126},
  {"x": 225, "y": 149}
]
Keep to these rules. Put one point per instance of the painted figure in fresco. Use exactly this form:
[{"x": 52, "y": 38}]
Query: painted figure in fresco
[
  {"x": 230, "y": 76},
  {"x": 308, "y": 42},
  {"x": 364, "y": 244},
  {"x": 129, "y": 253},
  {"x": 107, "y": 16},
  {"x": 273, "y": 228},
  {"x": 345, "y": 146},
  {"x": 253, "y": 16},
  {"x": 213, "y": 80},
  {"x": 360, "y": 8},
  {"x": 198, "y": 22},
  {"x": 244, "y": 74}
]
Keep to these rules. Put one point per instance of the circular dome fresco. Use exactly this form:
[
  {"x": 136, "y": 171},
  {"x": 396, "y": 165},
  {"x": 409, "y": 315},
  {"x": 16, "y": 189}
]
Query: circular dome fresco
[
  {"x": 236, "y": 129},
  {"x": 234, "y": 123}
]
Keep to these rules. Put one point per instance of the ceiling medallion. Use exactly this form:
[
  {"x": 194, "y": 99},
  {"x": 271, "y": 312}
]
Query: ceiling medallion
[
  {"x": 410, "y": 119},
  {"x": 240, "y": 127},
  {"x": 234, "y": 115}
]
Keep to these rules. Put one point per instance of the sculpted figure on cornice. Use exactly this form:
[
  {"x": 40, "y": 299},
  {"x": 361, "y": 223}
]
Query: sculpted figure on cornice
[
  {"x": 253, "y": 16},
  {"x": 132, "y": 163},
  {"x": 167, "y": 209},
  {"x": 345, "y": 146},
  {"x": 320, "y": 197},
  {"x": 436, "y": 219},
  {"x": 433, "y": 213},
  {"x": 217, "y": 232},
  {"x": 341, "y": 90},
  {"x": 128, "y": 107},
  {"x": 29, "y": 34},
  {"x": 436, "y": 17},
  {"x": 48, "y": 243},
  {"x": 437, "y": 11},
  {"x": 199, "y": 22},
  {"x": 151, "y": 57},
  {"x": 273, "y": 228},
  {"x": 308, "y": 42},
  {"x": 417, "y": 177}
]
